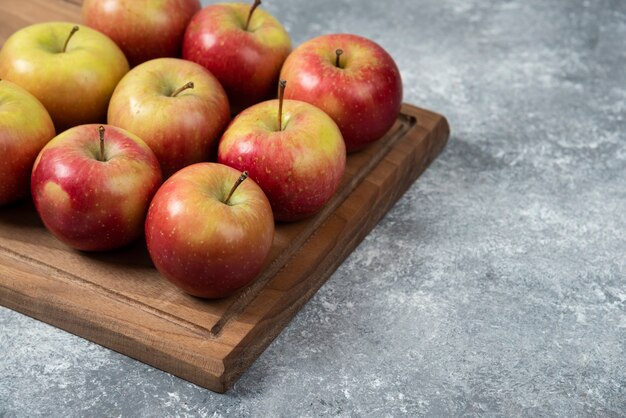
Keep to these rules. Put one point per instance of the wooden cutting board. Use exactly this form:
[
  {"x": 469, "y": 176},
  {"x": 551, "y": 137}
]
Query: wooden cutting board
[{"x": 118, "y": 299}]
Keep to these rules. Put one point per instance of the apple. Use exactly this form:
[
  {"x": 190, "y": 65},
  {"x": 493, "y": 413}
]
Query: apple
[
  {"x": 243, "y": 46},
  {"x": 92, "y": 186},
  {"x": 71, "y": 69},
  {"x": 352, "y": 79},
  {"x": 143, "y": 29},
  {"x": 208, "y": 231},
  {"x": 292, "y": 149},
  {"x": 25, "y": 127},
  {"x": 177, "y": 107}
]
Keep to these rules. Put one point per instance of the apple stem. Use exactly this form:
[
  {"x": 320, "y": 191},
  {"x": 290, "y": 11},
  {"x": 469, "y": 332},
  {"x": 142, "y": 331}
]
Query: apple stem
[
  {"x": 281, "y": 96},
  {"x": 256, "y": 4},
  {"x": 67, "y": 41},
  {"x": 183, "y": 88},
  {"x": 240, "y": 180},
  {"x": 101, "y": 132},
  {"x": 338, "y": 52}
]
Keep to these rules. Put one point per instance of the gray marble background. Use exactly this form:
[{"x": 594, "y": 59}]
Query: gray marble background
[{"x": 496, "y": 286}]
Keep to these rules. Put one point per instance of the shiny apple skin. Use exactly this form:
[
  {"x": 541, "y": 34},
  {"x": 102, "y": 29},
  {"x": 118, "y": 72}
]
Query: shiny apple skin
[
  {"x": 143, "y": 29},
  {"x": 363, "y": 97},
  {"x": 205, "y": 247},
  {"x": 74, "y": 86},
  {"x": 94, "y": 205},
  {"x": 25, "y": 127},
  {"x": 181, "y": 130},
  {"x": 299, "y": 168},
  {"x": 247, "y": 63}
]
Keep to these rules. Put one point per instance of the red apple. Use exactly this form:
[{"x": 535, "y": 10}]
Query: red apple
[
  {"x": 296, "y": 154},
  {"x": 352, "y": 79},
  {"x": 244, "y": 47},
  {"x": 177, "y": 107},
  {"x": 71, "y": 69},
  {"x": 25, "y": 127},
  {"x": 208, "y": 231},
  {"x": 143, "y": 29},
  {"x": 92, "y": 185}
]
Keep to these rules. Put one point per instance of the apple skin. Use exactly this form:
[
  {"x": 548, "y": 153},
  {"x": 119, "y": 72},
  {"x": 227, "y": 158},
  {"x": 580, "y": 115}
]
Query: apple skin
[
  {"x": 94, "y": 205},
  {"x": 298, "y": 168},
  {"x": 205, "y": 247},
  {"x": 363, "y": 97},
  {"x": 74, "y": 86},
  {"x": 247, "y": 63},
  {"x": 181, "y": 130},
  {"x": 143, "y": 29},
  {"x": 25, "y": 127}
]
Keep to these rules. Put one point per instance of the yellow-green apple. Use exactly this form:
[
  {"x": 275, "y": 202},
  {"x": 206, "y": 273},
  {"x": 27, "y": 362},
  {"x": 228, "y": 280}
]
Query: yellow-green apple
[
  {"x": 143, "y": 29},
  {"x": 244, "y": 47},
  {"x": 25, "y": 127},
  {"x": 208, "y": 231},
  {"x": 352, "y": 79},
  {"x": 294, "y": 151},
  {"x": 71, "y": 69},
  {"x": 92, "y": 186},
  {"x": 177, "y": 107}
]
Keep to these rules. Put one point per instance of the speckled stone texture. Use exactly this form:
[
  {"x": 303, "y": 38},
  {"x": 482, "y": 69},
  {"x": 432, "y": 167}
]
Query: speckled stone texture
[{"x": 496, "y": 286}]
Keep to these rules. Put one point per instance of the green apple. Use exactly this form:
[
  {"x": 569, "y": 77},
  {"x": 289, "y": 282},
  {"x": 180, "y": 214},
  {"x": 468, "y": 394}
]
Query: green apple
[
  {"x": 25, "y": 127},
  {"x": 71, "y": 69}
]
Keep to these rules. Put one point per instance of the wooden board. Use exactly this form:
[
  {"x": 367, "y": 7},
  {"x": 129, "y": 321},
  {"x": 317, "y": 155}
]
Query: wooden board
[{"x": 117, "y": 299}]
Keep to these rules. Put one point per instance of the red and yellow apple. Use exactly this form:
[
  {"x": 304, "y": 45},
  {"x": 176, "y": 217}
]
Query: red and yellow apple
[
  {"x": 243, "y": 46},
  {"x": 143, "y": 29},
  {"x": 177, "y": 107},
  {"x": 71, "y": 69},
  {"x": 92, "y": 186},
  {"x": 352, "y": 79},
  {"x": 298, "y": 162},
  {"x": 25, "y": 127},
  {"x": 208, "y": 231}
]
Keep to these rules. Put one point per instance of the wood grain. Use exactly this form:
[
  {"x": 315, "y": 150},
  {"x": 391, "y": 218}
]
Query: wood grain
[
  {"x": 15, "y": 14},
  {"x": 118, "y": 299}
]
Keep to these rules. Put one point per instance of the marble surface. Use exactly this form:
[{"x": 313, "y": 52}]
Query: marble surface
[{"x": 496, "y": 286}]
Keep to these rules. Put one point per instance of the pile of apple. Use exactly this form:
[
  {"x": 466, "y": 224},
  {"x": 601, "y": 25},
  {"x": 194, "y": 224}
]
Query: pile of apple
[{"x": 98, "y": 184}]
